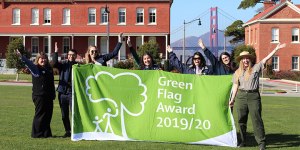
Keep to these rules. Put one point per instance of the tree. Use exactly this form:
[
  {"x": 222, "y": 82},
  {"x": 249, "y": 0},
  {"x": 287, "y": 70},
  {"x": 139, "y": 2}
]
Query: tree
[
  {"x": 237, "y": 50},
  {"x": 236, "y": 30},
  {"x": 251, "y": 3},
  {"x": 152, "y": 48},
  {"x": 12, "y": 60}
]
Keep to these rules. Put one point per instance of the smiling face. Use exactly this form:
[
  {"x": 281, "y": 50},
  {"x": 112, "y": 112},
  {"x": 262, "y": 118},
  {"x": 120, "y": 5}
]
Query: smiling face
[
  {"x": 71, "y": 56},
  {"x": 225, "y": 59},
  {"x": 197, "y": 60},
  {"x": 93, "y": 51},
  {"x": 246, "y": 61},
  {"x": 147, "y": 60},
  {"x": 42, "y": 61}
]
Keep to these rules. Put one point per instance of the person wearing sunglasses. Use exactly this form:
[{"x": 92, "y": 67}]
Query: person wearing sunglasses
[
  {"x": 223, "y": 66},
  {"x": 94, "y": 56},
  {"x": 198, "y": 64}
]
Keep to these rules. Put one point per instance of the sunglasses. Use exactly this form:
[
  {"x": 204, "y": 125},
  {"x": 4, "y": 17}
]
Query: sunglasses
[
  {"x": 93, "y": 51},
  {"x": 197, "y": 58}
]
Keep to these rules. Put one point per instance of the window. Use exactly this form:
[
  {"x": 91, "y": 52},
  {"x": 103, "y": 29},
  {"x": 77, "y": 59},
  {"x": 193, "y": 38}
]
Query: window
[
  {"x": 295, "y": 63},
  {"x": 34, "y": 45},
  {"x": 122, "y": 16},
  {"x": 66, "y": 16},
  {"x": 35, "y": 16},
  {"x": 66, "y": 44},
  {"x": 140, "y": 16},
  {"x": 92, "y": 16},
  {"x": 275, "y": 35},
  {"x": 152, "y": 15},
  {"x": 16, "y": 16},
  {"x": 46, "y": 46},
  {"x": 275, "y": 63},
  {"x": 295, "y": 35},
  {"x": 104, "y": 16},
  {"x": 91, "y": 41},
  {"x": 47, "y": 16}
]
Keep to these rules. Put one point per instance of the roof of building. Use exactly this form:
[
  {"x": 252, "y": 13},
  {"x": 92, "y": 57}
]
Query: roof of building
[{"x": 269, "y": 11}]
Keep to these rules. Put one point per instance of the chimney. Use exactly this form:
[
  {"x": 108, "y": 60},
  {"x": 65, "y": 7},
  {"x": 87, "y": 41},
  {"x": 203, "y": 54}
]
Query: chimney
[{"x": 269, "y": 3}]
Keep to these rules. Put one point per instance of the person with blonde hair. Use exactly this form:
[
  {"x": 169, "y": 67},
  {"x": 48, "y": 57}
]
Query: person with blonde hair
[
  {"x": 94, "y": 56},
  {"x": 43, "y": 94},
  {"x": 245, "y": 93}
]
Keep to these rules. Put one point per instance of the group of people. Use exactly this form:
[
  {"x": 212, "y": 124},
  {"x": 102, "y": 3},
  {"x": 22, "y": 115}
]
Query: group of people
[{"x": 244, "y": 91}]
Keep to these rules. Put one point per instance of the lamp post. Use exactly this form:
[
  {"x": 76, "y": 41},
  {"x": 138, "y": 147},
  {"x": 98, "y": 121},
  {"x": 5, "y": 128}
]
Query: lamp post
[
  {"x": 107, "y": 26},
  {"x": 224, "y": 38},
  {"x": 183, "y": 48}
]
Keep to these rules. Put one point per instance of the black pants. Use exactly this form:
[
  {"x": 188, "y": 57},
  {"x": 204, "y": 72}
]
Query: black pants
[
  {"x": 42, "y": 117},
  {"x": 65, "y": 103}
]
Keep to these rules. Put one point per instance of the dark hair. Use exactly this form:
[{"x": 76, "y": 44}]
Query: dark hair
[
  {"x": 203, "y": 61},
  {"x": 142, "y": 61},
  {"x": 231, "y": 66},
  {"x": 73, "y": 50}
]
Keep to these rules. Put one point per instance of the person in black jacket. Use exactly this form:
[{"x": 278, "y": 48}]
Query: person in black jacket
[
  {"x": 64, "y": 88},
  {"x": 93, "y": 55},
  {"x": 43, "y": 94},
  {"x": 198, "y": 64},
  {"x": 223, "y": 66},
  {"x": 146, "y": 62}
]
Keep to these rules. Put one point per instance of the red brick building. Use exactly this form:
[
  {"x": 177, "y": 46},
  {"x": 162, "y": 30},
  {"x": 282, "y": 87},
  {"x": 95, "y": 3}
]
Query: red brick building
[
  {"x": 80, "y": 23},
  {"x": 277, "y": 23}
]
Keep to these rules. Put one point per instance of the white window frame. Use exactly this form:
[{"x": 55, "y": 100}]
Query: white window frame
[
  {"x": 66, "y": 16},
  {"x": 92, "y": 16},
  {"x": 275, "y": 35},
  {"x": 121, "y": 16},
  {"x": 34, "y": 16},
  {"x": 297, "y": 63},
  {"x": 47, "y": 16},
  {"x": 275, "y": 63},
  {"x": 295, "y": 33},
  {"x": 46, "y": 46},
  {"x": 66, "y": 46},
  {"x": 33, "y": 46},
  {"x": 140, "y": 16},
  {"x": 16, "y": 17},
  {"x": 152, "y": 13},
  {"x": 103, "y": 17}
]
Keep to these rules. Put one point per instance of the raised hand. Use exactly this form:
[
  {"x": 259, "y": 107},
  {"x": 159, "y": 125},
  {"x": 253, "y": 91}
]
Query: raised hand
[
  {"x": 120, "y": 37},
  {"x": 55, "y": 47},
  {"x": 129, "y": 42},
  {"x": 201, "y": 44},
  {"x": 279, "y": 46},
  {"x": 18, "y": 53},
  {"x": 169, "y": 49}
]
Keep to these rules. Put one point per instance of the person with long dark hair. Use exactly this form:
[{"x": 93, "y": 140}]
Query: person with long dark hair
[
  {"x": 245, "y": 92},
  {"x": 223, "y": 66},
  {"x": 43, "y": 94},
  {"x": 198, "y": 64},
  {"x": 146, "y": 62}
]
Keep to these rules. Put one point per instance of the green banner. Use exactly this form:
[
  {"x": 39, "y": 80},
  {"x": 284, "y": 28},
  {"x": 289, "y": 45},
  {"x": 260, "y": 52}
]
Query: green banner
[{"x": 118, "y": 104}]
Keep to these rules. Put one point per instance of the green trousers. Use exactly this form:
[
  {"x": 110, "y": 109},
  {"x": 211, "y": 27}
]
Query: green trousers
[{"x": 250, "y": 102}]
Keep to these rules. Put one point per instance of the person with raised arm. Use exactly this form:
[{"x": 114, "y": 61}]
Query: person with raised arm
[{"x": 245, "y": 92}]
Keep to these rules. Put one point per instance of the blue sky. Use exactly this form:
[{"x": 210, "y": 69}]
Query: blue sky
[{"x": 191, "y": 9}]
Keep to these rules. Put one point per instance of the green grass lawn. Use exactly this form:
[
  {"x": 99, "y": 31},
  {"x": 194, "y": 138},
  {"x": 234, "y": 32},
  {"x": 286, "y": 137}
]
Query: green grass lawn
[
  {"x": 281, "y": 117},
  {"x": 22, "y": 77}
]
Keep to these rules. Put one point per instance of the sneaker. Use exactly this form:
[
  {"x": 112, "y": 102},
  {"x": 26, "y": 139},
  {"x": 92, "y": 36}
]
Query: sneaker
[{"x": 67, "y": 134}]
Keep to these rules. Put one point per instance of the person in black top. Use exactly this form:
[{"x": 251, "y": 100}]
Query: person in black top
[
  {"x": 198, "y": 64},
  {"x": 64, "y": 88},
  {"x": 223, "y": 66},
  {"x": 146, "y": 62},
  {"x": 93, "y": 55},
  {"x": 43, "y": 94}
]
